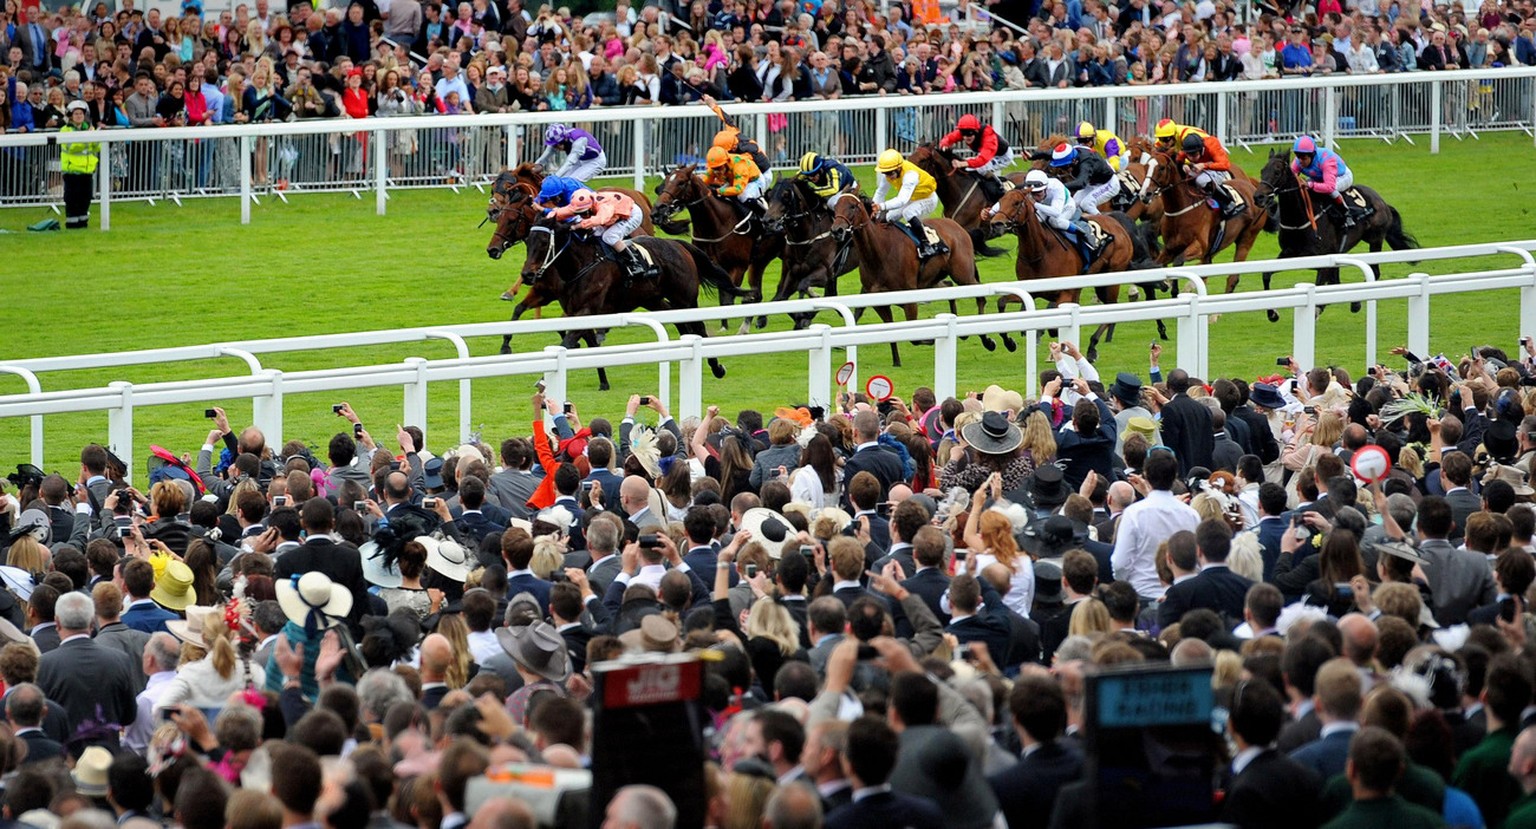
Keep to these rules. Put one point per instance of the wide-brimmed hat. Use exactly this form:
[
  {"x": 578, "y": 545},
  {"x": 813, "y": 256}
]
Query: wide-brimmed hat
[
  {"x": 312, "y": 600},
  {"x": 538, "y": 648},
  {"x": 374, "y": 570},
  {"x": 1052, "y": 536},
  {"x": 1046, "y": 487},
  {"x": 1400, "y": 549},
  {"x": 1501, "y": 441},
  {"x": 1510, "y": 475},
  {"x": 994, "y": 434},
  {"x": 1144, "y": 426},
  {"x": 1265, "y": 395},
  {"x": 173, "y": 586},
  {"x": 33, "y": 522},
  {"x": 90, "y": 774},
  {"x": 769, "y": 529},
  {"x": 10, "y": 634},
  {"x": 447, "y": 558},
  {"x": 998, "y": 399},
  {"x": 655, "y": 634},
  {"x": 190, "y": 629},
  {"x": 1126, "y": 388}
]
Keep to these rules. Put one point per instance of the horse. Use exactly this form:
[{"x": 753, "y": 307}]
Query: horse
[
  {"x": 812, "y": 255},
  {"x": 1303, "y": 226},
  {"x": 1190, "y": 229},
  {"x": 888, "y": 258},
  {"x": 962, "y": 192},
  {"x": 732, "y": 240},
  {"x": 1133, "y": 176},
  {"x": 563, "y": 263},
  {"x": 1043, "y": 254}
]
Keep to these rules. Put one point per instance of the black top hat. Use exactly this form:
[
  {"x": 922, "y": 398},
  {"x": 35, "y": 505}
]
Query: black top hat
[
  {"x": 1127, "y": 388},
  {"x": 1046, "y": 487}
]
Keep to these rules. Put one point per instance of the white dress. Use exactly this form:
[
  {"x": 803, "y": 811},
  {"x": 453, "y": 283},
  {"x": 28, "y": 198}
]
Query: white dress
[
  {"x": 805, "y": 488},
  {"x": 1021, "y": 589}
]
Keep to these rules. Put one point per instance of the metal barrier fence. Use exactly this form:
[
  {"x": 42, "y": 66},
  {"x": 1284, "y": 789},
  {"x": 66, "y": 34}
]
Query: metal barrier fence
[
  {"x": 379, "y": 154},
  {"x": 1189, "y": 311}
]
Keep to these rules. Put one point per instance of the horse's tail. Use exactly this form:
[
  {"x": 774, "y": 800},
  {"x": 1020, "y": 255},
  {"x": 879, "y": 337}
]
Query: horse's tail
[
  {"x": 711, "y": 277},
  {"x": 1140, "y": 257},
  {"x": 1397, "y": 237}
]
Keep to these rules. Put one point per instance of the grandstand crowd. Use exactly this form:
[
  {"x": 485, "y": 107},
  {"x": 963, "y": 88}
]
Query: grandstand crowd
[
  {"x": 260, "y": 62},
  {"x": 897, "y": 604}
]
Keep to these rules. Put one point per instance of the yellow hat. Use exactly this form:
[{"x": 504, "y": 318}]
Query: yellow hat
[
  {"x": 1143, "y": 426},
  {"x": 173, "y": 586},
  {"x": 889, "y": 161},
  {"x": 1166, "y": 128}
]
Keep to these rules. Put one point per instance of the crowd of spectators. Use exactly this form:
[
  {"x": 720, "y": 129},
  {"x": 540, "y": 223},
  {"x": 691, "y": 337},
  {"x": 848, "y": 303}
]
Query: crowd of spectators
[{"x": 897, "y": 603}]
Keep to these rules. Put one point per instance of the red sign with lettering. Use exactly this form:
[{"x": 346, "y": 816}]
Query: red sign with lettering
[{"x": 652, "y": 684}]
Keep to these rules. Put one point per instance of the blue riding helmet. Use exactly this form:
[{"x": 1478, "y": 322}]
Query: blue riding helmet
[{"x": 558, "y": 189}]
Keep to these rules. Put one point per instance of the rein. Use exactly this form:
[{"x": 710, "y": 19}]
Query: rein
[{"x": 675, "y": 205}]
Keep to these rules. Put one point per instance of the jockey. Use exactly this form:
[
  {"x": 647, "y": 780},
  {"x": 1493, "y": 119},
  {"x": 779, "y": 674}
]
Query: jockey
[
  {"x": 1056, "y": 209},
  {"x": 1094, "y": 181},
  {"x": 735, "y": 175},
  {"x": 618, "y": 216},
  {"x": 1205, "y": 154},
  {"x": 914, "y": 197},
  {"x": 1105, "y": 143},
  {"x": 584, "y": 157},
  {"x": 1324, "y": 171},
  {"x": 729, "y": 139},
  {"x": 826, "y": 176},
  {"x": 990, "y": 153},
  {"x": 556, "y": 191}
]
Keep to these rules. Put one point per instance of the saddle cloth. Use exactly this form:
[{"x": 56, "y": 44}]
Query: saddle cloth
[
  {"x": 1355, "y": 198},
  {"x": 932, "y": 235},
  {"x": 1128, "y": 182},
  {"x": 1233, "y": 194},
  {"x": 650, "y": 261},
  {"x": 1097, "y": 234}
]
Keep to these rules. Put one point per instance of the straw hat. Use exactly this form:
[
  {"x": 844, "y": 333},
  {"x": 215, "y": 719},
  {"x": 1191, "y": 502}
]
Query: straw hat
[
  {"x": 90, "y": 772},
  {"x": 199, "y": 618},
  {"x": 173, "y": 586},
  {"x": 997, "y": 399},
  {"x": 656, "y": 634},
  {"x": 312, "y": 600}
]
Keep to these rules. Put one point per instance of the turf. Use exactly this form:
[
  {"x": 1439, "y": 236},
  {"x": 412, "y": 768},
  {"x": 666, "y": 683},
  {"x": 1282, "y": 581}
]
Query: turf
[{"x": 181, "y": 275}]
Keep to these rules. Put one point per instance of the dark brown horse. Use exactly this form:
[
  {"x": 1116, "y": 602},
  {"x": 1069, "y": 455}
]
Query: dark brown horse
[
  {"x": 1191, "y": 230},
  {"x": 813, "y": 255},
  {"x": 1044, "y": 253},
  {"x": 963, "y": 193},
  {"x": 888, "y": 258},
  {"x": 565, "y": 263},
  {"x": 1307, "y": 222},
  {"x": 740, "y": 247}
]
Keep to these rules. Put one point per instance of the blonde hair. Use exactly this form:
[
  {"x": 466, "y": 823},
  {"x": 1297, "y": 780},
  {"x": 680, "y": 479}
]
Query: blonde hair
[
  {"x": 245, "y": 485},
  {"x": 28, "y": 554},
  {"x": 1245, "y": 559},
  {"x": 1229, "y": 669},
  {"x": 1090, "y": 616},
  {"x": 1330, "y": 427},
  {"x": 548, "y": 556},
  {"x": 1039, "y": 440},
  {"x": 217, "y": 635},
  {"x": 770, "y": 620},
  {"x": 251, "y": 809},
  {"x": 167, "y": 498},
  {"x": 747, "y": 795},
  {"x": 452, "y": 627}
]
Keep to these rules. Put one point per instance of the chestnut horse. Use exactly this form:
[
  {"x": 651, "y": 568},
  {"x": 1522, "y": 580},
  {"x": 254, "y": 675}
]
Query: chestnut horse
[
  {"x": 1191, "y": 230},
  {"x": 963, "y": 193}
]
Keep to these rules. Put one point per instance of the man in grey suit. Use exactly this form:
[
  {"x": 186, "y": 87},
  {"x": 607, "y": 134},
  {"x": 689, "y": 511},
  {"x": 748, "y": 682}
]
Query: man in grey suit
[
  {"x": 1456, "y": 474},
  {"x": 91, "y": 681},
  {"x": 825, "y": 619},
  {"x": 1459, "y": 580},
  {"x": 515, "y": 483},
  {"x": 604, "y": 535},
  {"x": 111, "y": 632}
]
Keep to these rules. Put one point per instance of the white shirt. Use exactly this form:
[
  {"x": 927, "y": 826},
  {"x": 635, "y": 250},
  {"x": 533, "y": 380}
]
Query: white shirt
[
  {"x": 136, "y": 738},
  {"x": 483, "y": 645},
  {"x": 1144, "y": 525},
  {"x": 1245, "y": 757},
  {"x": 1021, "y": 587}
]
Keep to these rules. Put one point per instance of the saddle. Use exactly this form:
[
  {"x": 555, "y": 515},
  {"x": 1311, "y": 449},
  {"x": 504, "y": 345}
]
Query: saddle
[
  {"x": 994, "y": 188},
  {"x": 1234, "y": 195},
  {"x": 928, "y": 247},
  {"x": 1092, "y": 244}
]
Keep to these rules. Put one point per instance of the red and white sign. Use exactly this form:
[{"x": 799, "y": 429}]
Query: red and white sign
[
  {"x": 652, "y": 684},
  {"x": 879, "y": 387},
  {"x": 845, "y": 373},
  {"x": 1370, "y": 463}
]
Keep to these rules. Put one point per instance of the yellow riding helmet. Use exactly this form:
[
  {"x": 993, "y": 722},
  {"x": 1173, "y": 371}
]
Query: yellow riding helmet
[
  {"x": 807, "y": 163},
  {"x": 725, "y": 140},
  {"x": 889, "y": 162},
  {"x": 1166, "y": 130},
  {"x": 1086, "y": 132},
  {"x": 716, "y": 157}
]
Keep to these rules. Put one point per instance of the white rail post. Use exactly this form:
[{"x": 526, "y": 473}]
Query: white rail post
[
  {"x": 245, "y": 179},
  {"x": 1073, "y": 332},
  {"x": 637, "y": 149},
  {"x": 997, "y": 123},
  {"x": 1418, "y": 317},
  {"x": 818, "y": 387},
  {"x": 880, "y": 129},
  {"x": 103, "y": 172},
  {"x": 1031, "y": 360},
  {"x": 120, "y": 425},
  {"x": 267, "y": 409},
  {"x": 690, "y": 379},
  {"x": 1435, "y": 93},
  {"x": 1187, "y": 335},
  {"x": 380, "y": 172},
  {"x": 1221, "y": 119},
  {"x": 1111, "y": 119},
  {"x": 512, "y": 135},
  {"x": 554, "y": 379},
  {"x": 1330, "y": 116},
  {"x": 416, "y": 396},
  {"x": 945, "y": 353},
  {"x": 1304, "y": 328},
  {"x": 1528, "y": 306}
]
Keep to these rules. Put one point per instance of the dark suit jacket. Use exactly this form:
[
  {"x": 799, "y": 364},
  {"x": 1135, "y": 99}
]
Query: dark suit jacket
[
  {"x": 931, "y": 584},
  {"x": 342, "y": 563},
  {"x": 477, "y": 525},
  {"x": 1026, "y": 792},
  {"x": 119, "y": 636},
  {"x": 902, "y": 556},
  {"x": 1273, "y": 790},
  {"x": 991, "y": 626},
  {"x": 1271, "y": 533},
  {"x": 1188, "y": 432},
  {"x": 1215, "y": 588},
  {"x": 576, "y": 640},
  {"x": 91, "y": 681},
  {"x": 886, "y": 810},
  {"x": 40, "y": 748},
  {"x": 148, "y": 617},
  {"x": 1463, "y": 504},
  {"x": 1263, "y": 437},
  {"x": 431, "y": 697},
  {"x": 877, "y": 460},
  {"x": 46, "y": 638},
  {"x": 1325, "y": 755},
  {"x": 56, "y": 721},
  {"x": 1054, "y": 623},
  {"x": 1224, "y": 452},
  {"x": 1297, "y": 733},
  {"x": 524, "y": 583}
]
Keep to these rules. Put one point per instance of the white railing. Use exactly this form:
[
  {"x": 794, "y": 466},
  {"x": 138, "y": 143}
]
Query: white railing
[
  {"x": 381, "y": 154},
  {"x": 1190, "y": 310}
]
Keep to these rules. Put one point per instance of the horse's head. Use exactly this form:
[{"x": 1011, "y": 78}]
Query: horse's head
[
  {"x": 849, "y": 213},
  {"x": 529, "y": 173},
  {"x": 546, "y": 240},
  {"x": 1015, "y": 209},
  {"x": 513, "y": 211},
  {"x": 784, "y": 203},
  {"x": 932, "y": 159},
  {"x": 1276, "y": 176},
  {"x": 1141, "y": 149},
  {"x": 1163, "y": 172},
  {"x": 676, "y": 192}
]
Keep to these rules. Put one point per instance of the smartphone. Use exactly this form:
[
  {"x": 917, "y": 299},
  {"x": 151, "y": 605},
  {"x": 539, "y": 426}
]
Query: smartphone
[
  {"x": 808, "y": 551},
  {"x": 357, "y": 430},
  {"x": 210, "y": 414},
  {"x": 1311, "y": 410},
  {"x": 1507, "y": 609},
  {"x": 538, "y": 385},
  {"x": 279, "y": 500},
  {"x": 567, "y": 408},
  {"x": 868, "y": 652},
  {"x": 645, "y": 401},
  {"x": 751, "y": 571},
  {"x": 336, "y": 408},
  {"x": 1343, "y": 588},
  {"x": 648, "y": 541},
  {"x": 883, "y": 509},
  {"x": 168, "y": 714},
  {"x": 1524, "y": 340},
  {"x": 429, "y": 503},
  {"x": 360, "y": 506},
  {"x": 1282, "y": 361}
]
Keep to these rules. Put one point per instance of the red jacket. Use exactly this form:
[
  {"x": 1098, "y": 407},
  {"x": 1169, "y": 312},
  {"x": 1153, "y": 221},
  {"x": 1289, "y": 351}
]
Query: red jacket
[
  {"x": 544, "y": 495},
  {"x": 984, "y": 147}
]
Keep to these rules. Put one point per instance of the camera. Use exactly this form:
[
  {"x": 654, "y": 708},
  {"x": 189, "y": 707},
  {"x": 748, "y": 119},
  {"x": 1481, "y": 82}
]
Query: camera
[
  {"x": 557, "y": 576},
  {"x": 645, "y": 401},
  {"x": 868, "y": 652},
  {"x": 1282, "y": 361},
  {"x": 357, "y": 430},
  {"x": 649, "y": 541},
  {"x": 360, "y": 506},
  {"x": 808, "y": 551},
  {"x": 883, "y": 509},
  {"x": 567, "y": 408},
  {"x": 336, "y": 408},
  {"x": 210, "y": 414},
  {"x": 124, "y": 525},
  {"x": 279, "y": 500},
  {"x": 429, "y": 503},
  {"x": 751, "y": 571}
]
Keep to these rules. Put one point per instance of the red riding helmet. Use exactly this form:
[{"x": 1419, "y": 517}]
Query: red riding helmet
[{"x": 969, "y": 123}]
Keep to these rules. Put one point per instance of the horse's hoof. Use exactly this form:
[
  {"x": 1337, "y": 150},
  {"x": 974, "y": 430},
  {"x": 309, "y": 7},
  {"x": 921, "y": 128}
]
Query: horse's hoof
[
  {"x": 1092, "y": 353},
  {"x": 988, "y": 343},
  {"x": 1354, "y": 307},
  {"x": 1135, "y": 293},
  {"x": 508, "y": 296},
  {"x": 1162, "y": 331},
  {"x": 717, "y": 370},
  {"x": 1009, "y": 344},
  {"x": 1273, "y": 315},
  {"x": 602, "y": 386},
  {"x": 506, "y": 349},
  {"x": 762, "y": 322}
]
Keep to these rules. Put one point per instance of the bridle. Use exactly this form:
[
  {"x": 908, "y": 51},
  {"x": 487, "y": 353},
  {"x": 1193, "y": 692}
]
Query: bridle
[
  {"x": 1176, "y": 179},
  {"x": 1272, "y": 198},
  {"x": 805, "y": 209},
  {"x": 553, "y": 253}
]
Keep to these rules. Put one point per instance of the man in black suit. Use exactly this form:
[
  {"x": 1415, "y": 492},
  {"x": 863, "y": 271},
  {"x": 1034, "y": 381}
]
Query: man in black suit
[
  {"x": 699, "y": 527},
  {"x": 476, "y": 518},
  {"x": 1026, "y": 793},
  {"x": 566, "y": 600},
  {"x": 1513, "y": 572},
  {"x": 864, "y": 495},
  {"x": 1272, "y": 524},
  {"x": 848, "y": 565},
  {"x": 790, "y": 577},
  {"x": 1456, "y": 471},
  {"x": 24, "y": 708},
  {"x": 1216, "y": 587},
  {"x": 907, "y": 519},
  {"x": 1186, "y": 425},
  {"x": 91, "y": 681},
  {"x": 517, "y": 551},
  {"x": 1079, "y": 575},
  {"x": 978, "y": 619},
  {"x": 567, "y": 488},
  {"x": 821, "y": 759},
  {"x": 871, "y": 457},
  {"x": 929, "y": 580},
  {"x": 1267, "y": 789},
  {"x": 870, "y": 758},
  {"x": 436, "y": 655},
  {"x": 1225, "y": 452},
  {"x": 339, "y": 560},
  {"x": 1299, "y": 664}
]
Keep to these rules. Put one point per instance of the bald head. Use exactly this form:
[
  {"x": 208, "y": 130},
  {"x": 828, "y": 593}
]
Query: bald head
[
  {"x": 793, "y": 807},
  {"x": 436, "y": 654},
  {"x": 397, "y": 488},
  {"x": 1359, "y": 638},
  {"x": 634, "y": 492},
  {"x": 899, "y": 493},
  {"x": 1522, "y": 760},
  {"x": 999, "y": 576},
  {"x": 503, "y": 813},
  {"x": 1190, "y": 652},
  {"x": 1121, "y": 495}
]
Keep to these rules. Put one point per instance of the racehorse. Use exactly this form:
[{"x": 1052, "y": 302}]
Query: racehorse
[
  {"x": 564, "y": 263},
  {"x": 1043, "y": 253},
  {"x": 1305, "y": 227},
  {"x": 888, "y": 258},
  {"x": 964, "y": 194},
  {"x": 1132, "y": 176},
  {"x": 733, "y": 241},
  {"x": 1191, "y": 230},
  {"x": 813, "y": 256}
]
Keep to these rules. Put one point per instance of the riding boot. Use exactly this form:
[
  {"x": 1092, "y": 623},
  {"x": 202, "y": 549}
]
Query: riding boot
[
  {"x": 1223, "y": 201},
  {"x": 634, "y": 266},
  {"x": 1085, "y": 243},
  {"x": 924, "y": 250}
]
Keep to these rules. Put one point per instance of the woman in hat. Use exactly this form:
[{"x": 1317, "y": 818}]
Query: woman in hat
[
  {"x": 989, "y": 538},
  {"x": 212, "y": 666},
  {"x": 989, "y": 446}
]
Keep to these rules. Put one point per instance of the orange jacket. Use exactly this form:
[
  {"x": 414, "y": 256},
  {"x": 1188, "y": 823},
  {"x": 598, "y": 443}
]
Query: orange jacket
[
  {"x": 611, "y": 207},
  {"x": 1215, "y": 155},
  {"x": 544, "y": 495},
  {"x": 734, "y": 177}
]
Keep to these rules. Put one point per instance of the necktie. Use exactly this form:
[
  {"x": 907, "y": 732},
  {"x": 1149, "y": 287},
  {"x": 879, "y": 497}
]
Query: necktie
[{"x": 39, "y": 49}]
